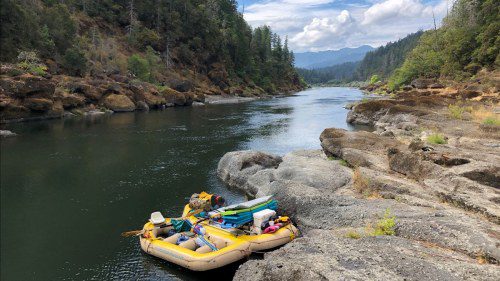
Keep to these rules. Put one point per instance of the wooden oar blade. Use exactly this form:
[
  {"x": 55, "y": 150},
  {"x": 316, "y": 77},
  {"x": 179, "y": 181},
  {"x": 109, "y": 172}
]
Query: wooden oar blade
[{"x": 132, "y": 233}]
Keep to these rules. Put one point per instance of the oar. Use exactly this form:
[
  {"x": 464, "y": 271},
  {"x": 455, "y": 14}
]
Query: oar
[{"x": 140, "y": 232}]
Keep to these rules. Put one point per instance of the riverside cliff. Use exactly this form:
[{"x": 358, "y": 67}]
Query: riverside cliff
[
  {"x": 416, "y": 199},
  {"x": 24, "y": 96}
]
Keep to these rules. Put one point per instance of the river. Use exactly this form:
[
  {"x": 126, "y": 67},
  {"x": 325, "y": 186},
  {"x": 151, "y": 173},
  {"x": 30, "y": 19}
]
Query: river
[{"x": 70, "y": 187}]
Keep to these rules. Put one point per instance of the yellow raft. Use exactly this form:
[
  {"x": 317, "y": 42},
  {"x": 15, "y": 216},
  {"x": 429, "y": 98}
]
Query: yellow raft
[
  {"x": 186, "y": 254},
  {"x": 258, "y": 242},
  {"x": 211, "y": 248}
]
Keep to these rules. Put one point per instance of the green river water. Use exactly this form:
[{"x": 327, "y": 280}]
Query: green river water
[{"x": 70, "y": 187}]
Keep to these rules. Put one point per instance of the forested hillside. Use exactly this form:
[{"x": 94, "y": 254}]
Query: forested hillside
[
  {"x": 150, "y": 40},
  {"x": 336, "y": 74},
  {"x": 384, "y": 60},
  {"x": 381, "y": 61},
  {"x": 467, "y": 41}
]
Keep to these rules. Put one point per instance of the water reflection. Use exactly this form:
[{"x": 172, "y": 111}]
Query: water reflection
[{"x": 77, "y": 183}]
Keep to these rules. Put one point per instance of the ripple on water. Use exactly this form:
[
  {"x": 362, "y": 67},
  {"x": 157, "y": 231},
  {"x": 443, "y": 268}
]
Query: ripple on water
[{"x": 107, "y": 176}]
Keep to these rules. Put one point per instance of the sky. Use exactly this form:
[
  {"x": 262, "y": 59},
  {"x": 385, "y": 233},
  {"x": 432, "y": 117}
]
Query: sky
[{"x": 318, "y": 25}]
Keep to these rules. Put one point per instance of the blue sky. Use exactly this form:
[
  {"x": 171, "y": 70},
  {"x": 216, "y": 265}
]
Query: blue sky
[{"x": 316, "y": 25}]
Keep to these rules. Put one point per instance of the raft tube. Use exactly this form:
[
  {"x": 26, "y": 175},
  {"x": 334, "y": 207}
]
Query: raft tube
[
  {"x": 268, "y": 241},
  {"x": 229, "y": 248}
]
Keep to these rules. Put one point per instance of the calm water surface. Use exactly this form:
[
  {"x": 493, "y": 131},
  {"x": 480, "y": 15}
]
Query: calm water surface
[{"x": 70, "y": 187}]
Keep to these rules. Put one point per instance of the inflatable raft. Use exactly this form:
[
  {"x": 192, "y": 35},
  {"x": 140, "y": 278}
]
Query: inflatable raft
[
  {"x": 221, "y": 249},
  {"x": 258, "y": 242}
]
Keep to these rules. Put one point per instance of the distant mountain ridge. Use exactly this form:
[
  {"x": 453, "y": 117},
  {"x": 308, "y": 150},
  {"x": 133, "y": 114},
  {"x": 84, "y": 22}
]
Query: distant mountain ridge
[{"x": 312, "y": 60}]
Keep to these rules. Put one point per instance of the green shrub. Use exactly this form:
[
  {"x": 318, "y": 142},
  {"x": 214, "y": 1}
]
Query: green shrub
[
  {"x": 331, "y": 158},
  {"x": 154, "y": 63},
  {"x": 374, "y": 79},
  {"x": 33, "y": 68},
  {"x": 436, "y": 139},
  {"x": 353, "y": 235},
  {"x": 39, "y": 70},
  {"x": 147, "y": 68},
  {"x": 491, "y": 121},
  {"x": 343, "y": 163},
  {"x": 74, "y": 62},
  {"x": 385, "y": 226},
  {"x": 29, "y": 62},
  {"x": 139, "y": 67},
  {"x": 28, "y": 57},
  {"x": 391, "y": 85},
  {"x": 161, "y": 88},
  {"x": 145, "y": 37}
]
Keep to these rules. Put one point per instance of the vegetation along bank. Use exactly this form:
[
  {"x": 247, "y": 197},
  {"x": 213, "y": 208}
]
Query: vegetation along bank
[{"x": 80, "y": 57}]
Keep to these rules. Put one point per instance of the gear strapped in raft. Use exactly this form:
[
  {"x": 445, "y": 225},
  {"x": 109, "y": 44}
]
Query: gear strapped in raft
[{"x": 209, "y": 235}]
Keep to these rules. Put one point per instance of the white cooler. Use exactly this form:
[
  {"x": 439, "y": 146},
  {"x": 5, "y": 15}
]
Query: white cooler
[{"x": 261, "y": 217}]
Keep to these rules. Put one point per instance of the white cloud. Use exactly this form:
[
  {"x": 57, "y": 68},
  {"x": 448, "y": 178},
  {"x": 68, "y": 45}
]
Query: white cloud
[
  {"x": 391, "y": 9},
  {"x": 321, "y": 30},
  {"x": 287, "y": 17},
  {"x": 329, "y": 24}
]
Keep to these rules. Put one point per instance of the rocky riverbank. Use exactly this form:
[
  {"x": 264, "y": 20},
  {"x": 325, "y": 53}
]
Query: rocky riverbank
[
  {"x": 24, "y": 96},
  {"x": 417, "y": 199}
]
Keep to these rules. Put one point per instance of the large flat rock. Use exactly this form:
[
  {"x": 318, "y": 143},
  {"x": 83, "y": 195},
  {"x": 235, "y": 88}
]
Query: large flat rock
[
  {"x": 433, "y": 240},
  {"x": 324, "y": 256},
  {"x": 258, "y": 174}
]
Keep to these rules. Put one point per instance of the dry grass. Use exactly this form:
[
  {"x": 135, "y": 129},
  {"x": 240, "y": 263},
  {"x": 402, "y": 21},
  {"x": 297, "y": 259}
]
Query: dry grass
[
  {"x": 353, "y": 235},
  {"x": 458, "y": 110},
  {"x": 362, "y": 185},
  {"x": 481, "y": 259},
  {"x": 374, "y": 195},
  {"x": 485, "y": 115}
]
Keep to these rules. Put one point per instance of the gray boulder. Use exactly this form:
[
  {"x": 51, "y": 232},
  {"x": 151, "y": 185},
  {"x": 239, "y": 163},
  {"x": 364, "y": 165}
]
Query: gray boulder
[
  {"x": 236, "y": 167},
  {"x": 436, "y": 86},
  {"x": 143, "y": 106},
  {"x": 259, "y": 174},
  {"x": 422, "y": 83}
]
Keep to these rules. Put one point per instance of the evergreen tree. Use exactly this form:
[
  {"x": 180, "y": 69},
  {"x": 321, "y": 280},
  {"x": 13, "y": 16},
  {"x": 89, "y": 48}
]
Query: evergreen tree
[
  {"x": 184, "y": 34},
  {"x": 75, "y": 62},
  {"x": 61, "y": 27}
]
